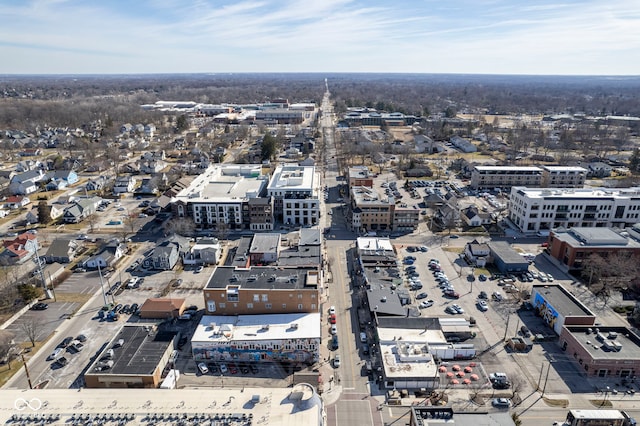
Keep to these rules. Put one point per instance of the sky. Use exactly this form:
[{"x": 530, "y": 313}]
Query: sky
[{"x": 573, "y": 37}]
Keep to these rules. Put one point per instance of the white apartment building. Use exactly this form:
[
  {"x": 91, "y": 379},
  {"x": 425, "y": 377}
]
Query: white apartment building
[
  {"x": 294, "y": 189},
  {"x": 489, "y": 177},
  {"x": 483, "y": 177},
  {"x": 220, "y": 195},
  {"x": 563, "y": 176},
  {"x": 540, "y": 209}
]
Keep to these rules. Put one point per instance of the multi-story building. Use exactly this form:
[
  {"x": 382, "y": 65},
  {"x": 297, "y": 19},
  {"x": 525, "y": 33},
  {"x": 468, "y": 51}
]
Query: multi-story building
[
  {"x": 563, "y": 176},
  {"x": 261, "y": 214},
  {"x": 262, "y": 290},
  {"x": 360, "y": 176},
  {"x": 574, "y": 246},
  {"x": 533, "y": 210},
  {"x": 371, "y": 212},
  {"x": 287, "y": 338},
  {"x": 294, "y": 190},
  {"x": 484, "y": 177},
  {"x": 220, "y": 195}
]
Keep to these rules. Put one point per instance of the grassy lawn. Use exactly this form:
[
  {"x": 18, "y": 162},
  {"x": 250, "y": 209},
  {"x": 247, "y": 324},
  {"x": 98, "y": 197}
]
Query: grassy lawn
[{"x": 564, "y": 403}]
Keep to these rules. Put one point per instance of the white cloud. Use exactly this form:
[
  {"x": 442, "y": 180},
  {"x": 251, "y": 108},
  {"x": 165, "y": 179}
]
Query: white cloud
[{"x": 489, "y": 36}]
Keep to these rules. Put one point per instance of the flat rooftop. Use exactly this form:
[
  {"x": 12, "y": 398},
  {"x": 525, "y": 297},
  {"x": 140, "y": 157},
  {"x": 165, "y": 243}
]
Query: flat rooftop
[
  {"x": 629, "y": 342},
  {"x": 561, "y": 300},
  {"x": 598, "y": 237},
  {"x": 429, "y": 336},
  {"x": 406, "y": 360},
  {"x": 505, "y": 252},
  {"x": 216, "y": 328},
  {"x": 508, "y": 169},
  {"x": 293, "y": 178},
  {"x": 140, "y": 353},
  {"x": 578, "y": 193},
  {"x": 225, "y": 183},
  {"x": 295, "y": 406},
  {"x": 560, "y": 169},
  {"x": 261, "y": 277}
]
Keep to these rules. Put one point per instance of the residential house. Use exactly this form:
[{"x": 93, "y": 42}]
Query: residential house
[
  {"x": 148, "y": 186},
  {"x": 154, "y": 155},
  {"x": 26, "y": 182},
  {"x": 20, "y": 249},
  {"x": 152, "y": 166},
  {"x": 61, "y": 250},
  {"x": 206, "y": 251},
  {"x": 107, "y": 257},
  {"x": 167, "y": 254},
  {"x": 27, "y": 165},
  {"x": 463, "y": 144},
  {"x": 599, "y": 169},
  {"x": 124, "y": 184},
  {"x": 68, "y": 176},
  {"x": 149, "y": 130},
  {"x": 96, "y": 184},
  {"x": 56, "y": 185},
  {"x": 126, "y": 128},
  {"x": 474, "y": 218},
  {"x": 81, "y": 209},
  {"x": 477, "y": 253},
  {"x": 17, "y": 202},
  {"x": 56, "y": 211},
  {"x": 99, "y": 166}
]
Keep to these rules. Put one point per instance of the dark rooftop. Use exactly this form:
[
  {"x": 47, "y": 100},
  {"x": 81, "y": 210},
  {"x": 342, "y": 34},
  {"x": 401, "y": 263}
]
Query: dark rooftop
[
  {"x": 265, "y": 277},
  {"x": 384, "y": 301},
  {"x": 140, "y": 353},
  {"x": 504, "y": 251},
  {"x": 561, "y": 300}
]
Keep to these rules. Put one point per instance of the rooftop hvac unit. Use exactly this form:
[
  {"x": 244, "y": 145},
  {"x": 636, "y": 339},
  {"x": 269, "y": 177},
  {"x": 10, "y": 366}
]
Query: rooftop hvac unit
[
  {"x": 294, "y": 326},
  {"x": 265, "y": 327}
]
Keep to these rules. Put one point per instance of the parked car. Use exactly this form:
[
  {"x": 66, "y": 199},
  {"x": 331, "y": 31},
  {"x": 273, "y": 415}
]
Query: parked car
[
  {"x": 421, "y": 296},
  {"x": 332, "y": 319},
  {"x": 426, "y": 304},
  {"x": 336, "y": 361},
  {"x": 40, "y": 306},
  {"x": 483, "y": 305},
  {"x": 61, "y": 362},
  {"x": 224, "y": 369},
  {"x": 200, "y": 269},
  {"x": 203, "y": 368},
  {"x": 483, "y": 295},
  {"x": 452, "y": 294},
  {"x": 482, "y": 277},
  {"x": 501, "y": 402},
  {"x": 65, "y": 342},
  {"x": 332, "y": 310},
  {"x": 334, "y": 329},
  {"x": 55, "y": 354},
  {"x": 81, "y": 338}
]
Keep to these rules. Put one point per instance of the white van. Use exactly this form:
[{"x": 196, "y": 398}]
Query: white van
[{"x": 133, "y": 282}]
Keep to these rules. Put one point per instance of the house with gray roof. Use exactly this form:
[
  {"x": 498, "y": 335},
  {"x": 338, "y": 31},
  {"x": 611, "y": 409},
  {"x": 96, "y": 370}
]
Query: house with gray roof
[
  {"x": 167, "y": 254},
  {"x": 81, "y": 209},
  {"x": 26, "y": 182},
  {"x": 61, "y": 250},
  {"x": 107, "y": 257}
]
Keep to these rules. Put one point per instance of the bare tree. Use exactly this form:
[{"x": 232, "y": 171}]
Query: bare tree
[
  {"x": 606, "y": 274},
  {"x": 31, "y": 328},
  {"x": 6, "y": 345},
  {"x": 180, "y": 226},
  {"x": 92, "y": 220}
]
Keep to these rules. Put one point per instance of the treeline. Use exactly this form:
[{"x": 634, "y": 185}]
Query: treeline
[{"x": 74, "y": 100}]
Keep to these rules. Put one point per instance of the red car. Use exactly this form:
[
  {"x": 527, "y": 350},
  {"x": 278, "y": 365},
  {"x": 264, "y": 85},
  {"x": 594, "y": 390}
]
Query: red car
[
  {"x": 332, "y": 319},
  {"x": 233, "y": 369},
  {"x": 452, "y": 294}
]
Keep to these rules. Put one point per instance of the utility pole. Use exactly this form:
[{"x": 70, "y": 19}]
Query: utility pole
[
  {"x": 104, "y": 296},
  {"x": 26, "y": 370},
  {"x": 506, "y": 329},
  {"x": 545, "y": 380}
]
